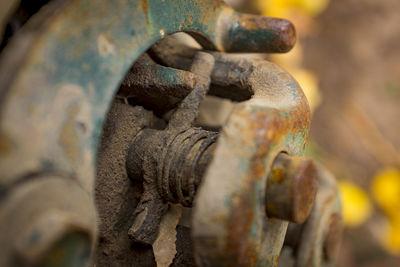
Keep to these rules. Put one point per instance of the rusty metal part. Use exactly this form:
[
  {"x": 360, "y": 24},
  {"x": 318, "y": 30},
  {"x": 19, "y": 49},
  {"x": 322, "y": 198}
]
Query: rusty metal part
[
  {"x": 60, "y": 72},
  {"x": 171, "y": 165},
  {"x": 58, "y": 76},
  {"x": 236, "y": 37},
  {"x": 116, "y": 195},
  {"x": 230, "y": 226},
  {"x": 167, "y": 160},
  {"x": 183, "y": 161},
  {"x": 152, "y": 158},
  {"x": 82, "y": 62},
  {"x": 277, "y": 102},
  {"x": 227, "y": 80},
  {"x": 291, "y": 189},
  {"x": 316, "y": 242},
  {"x": 154, "y": 86}
]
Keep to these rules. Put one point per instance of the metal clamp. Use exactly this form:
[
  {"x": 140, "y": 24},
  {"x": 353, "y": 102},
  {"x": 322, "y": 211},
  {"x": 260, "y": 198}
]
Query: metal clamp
[{"x": 256, "y": 180}]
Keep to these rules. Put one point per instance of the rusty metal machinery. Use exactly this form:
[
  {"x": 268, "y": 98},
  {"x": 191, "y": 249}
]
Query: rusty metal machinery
[{"x": 104, "y": 161}]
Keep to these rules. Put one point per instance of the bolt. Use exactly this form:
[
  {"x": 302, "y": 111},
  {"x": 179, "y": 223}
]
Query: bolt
[
  {"x": 291, "y": 188},
  {"x": 171, "y": 164},
  {"x": 180, "y": 158}
]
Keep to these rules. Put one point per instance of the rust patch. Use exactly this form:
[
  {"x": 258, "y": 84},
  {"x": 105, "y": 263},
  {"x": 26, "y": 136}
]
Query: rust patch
[
  {"x": 276, "y": 259},
  {"x": 241, "y": 251},
  {"x": 276, "y": 176},
  {"x": 145, "y": 7},
  {"x": 265, "y": 129}
]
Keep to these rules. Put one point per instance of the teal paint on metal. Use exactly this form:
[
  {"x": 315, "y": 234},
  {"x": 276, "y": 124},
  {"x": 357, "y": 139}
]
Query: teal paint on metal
[
  {"x": 91, "y": 47},
  {"x": 249, "y": 30},
  {"x": 58, "y": 77},
  {"x": 230, "y": 226}
]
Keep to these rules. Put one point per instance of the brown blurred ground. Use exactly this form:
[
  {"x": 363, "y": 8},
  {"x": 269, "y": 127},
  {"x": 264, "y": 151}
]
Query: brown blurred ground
[{"x": 356, "y": 55}]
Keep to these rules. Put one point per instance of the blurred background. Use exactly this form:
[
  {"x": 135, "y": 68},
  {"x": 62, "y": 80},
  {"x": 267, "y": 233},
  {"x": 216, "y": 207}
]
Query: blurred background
[{"x": 347, "y": 60}]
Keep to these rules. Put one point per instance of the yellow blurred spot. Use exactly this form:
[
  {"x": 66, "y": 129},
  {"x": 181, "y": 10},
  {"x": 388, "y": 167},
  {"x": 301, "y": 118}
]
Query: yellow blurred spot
[
  {"x": 355, "y": 204},
  {"x": 282, "y": 8},
  {"x": 386, "y": 190},
  {"x": 391, "y": 239},
  {"x": 275, "y": 8},
  {"x": 312, "y": 7}
]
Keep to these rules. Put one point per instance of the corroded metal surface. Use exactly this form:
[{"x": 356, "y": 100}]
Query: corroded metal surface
[
  {"x": 154, "y": 86},
  {"x": 159, "y": 158},
  {"x": 281, "y": 126},
  {"x": 58, "y": 77},
  {"x": 60, "y": 72},
  {"x": 230, "y": 225},
  {"x": 321, "y": 234},
  {"x": 291, "y": 188},
  {"x": 78, "y": 54}
]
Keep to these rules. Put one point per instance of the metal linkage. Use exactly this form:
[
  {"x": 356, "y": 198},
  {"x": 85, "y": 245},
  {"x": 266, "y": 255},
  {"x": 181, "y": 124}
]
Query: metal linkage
[
  {"x": 58, "y": 77},
  {"x": 231, "y": 223},
  {"x": 172, "y": 161}
]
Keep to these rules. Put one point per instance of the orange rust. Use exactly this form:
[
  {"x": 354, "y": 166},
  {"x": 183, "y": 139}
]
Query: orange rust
[
  {"x": 241, "y": 251},
  {"x": 276, "y": 259},
  {"x": 211, "y": 14},
  {"x": 277, "y": 176},
  {"x": 273, "y": 122},
  {"x": 145, "y": 6},
  {"x": 241, "y": 248}
]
